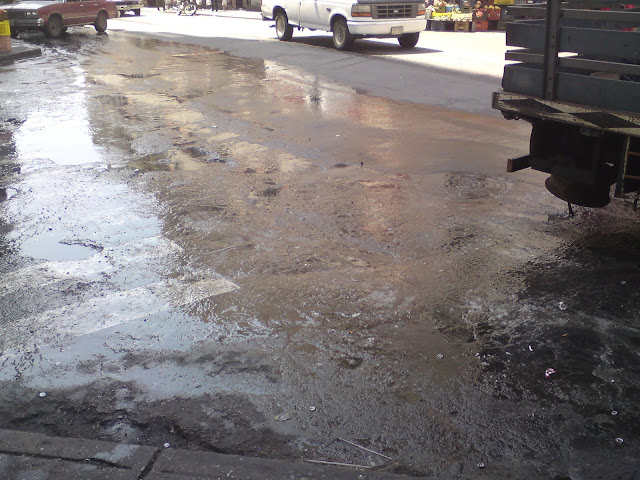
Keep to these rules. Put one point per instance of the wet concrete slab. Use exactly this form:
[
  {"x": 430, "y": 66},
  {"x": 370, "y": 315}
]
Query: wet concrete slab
[
  {"x": 33, "y": 455},
  {"x": 18, "y": 53},
  {"x": 241, "y": 256},
  {"x": 30, "y": 455},
  {"x": 179, "y": 464}
]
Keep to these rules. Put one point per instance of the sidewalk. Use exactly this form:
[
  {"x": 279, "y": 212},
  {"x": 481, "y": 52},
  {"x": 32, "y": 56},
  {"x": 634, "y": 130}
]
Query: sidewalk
[
  {"x": 18, "y": 51},
  {"x": 32, "y": 455}
]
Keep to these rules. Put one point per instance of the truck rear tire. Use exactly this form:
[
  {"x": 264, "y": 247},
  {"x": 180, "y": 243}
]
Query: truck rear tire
[
  {"x": 284, "y": 30},
  {"x": 342, "y": 38},
  {"x": 409, "y": 40}
]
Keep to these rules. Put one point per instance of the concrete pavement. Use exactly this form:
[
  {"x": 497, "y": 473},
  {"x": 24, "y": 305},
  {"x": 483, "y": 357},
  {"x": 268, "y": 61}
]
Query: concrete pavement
[
  {"x": 31, "y": 456},
  {"x": 18, "y": 52}
]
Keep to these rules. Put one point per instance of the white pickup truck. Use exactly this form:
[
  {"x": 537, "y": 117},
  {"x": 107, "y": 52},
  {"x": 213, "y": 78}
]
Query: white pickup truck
[{"x": 349, "y": 20}]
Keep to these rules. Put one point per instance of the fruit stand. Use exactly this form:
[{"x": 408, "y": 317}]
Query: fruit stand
[{"x": 481, "y": 16}]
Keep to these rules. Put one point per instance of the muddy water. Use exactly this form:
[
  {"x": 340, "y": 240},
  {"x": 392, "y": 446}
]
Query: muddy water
[{"x": 234, "y": 255}]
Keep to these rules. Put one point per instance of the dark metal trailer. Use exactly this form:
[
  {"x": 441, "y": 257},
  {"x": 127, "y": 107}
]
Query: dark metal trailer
[{"x": 575, "y": 77}]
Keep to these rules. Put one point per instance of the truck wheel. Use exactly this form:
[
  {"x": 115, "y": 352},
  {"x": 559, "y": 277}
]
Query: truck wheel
[
  {"x": 284, "y": 31},
  {"x": 342, "y": 39},
  {"x": 54, "y": 27},
  {"x": 101, "y": 22},
  {"x": 408, "y": 40},
  {"x": 137, "y": 12}
]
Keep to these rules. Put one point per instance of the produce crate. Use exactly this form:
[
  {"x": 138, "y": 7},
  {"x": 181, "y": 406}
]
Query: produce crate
[
  {"x": 461, "y": 26},
  {"x": 479, "y": 26},
  {"x": 5, "y": 30},
  {"x": 493, "y": 14},
  {"x": 480, "y": 14},
  {"x": 437, "y": 26}
]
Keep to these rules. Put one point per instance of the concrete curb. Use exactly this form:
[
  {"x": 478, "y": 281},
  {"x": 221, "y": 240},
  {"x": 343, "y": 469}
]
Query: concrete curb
[
  {"x": 17, "y": 53},
  {"x": 34, "y": 455}
]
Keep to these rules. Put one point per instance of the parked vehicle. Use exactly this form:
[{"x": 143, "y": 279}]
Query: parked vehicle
[
  {"x": 349, "y": 20},
  {"x": 578, "y": 84},
  {"x": 124, "y": 6},
  {"x": 54, "y": 16}
]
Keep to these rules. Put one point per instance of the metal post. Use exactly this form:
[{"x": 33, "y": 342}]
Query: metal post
[
  {"x": 622, "y": 167},
  {"x": 552, "y": 45}
]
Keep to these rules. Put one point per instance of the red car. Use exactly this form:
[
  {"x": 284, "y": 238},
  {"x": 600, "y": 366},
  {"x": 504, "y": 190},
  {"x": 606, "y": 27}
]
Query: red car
[{"x": 54, "y": 16}]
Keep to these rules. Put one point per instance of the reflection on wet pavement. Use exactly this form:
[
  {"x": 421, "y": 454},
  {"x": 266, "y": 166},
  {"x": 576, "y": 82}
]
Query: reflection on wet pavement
[{"x": 199, "y": 249}]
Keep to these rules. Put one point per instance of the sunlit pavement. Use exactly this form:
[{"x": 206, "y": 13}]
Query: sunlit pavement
[
  {"x": 479, "y": 53},
  {"x": 265, "y": 248}
]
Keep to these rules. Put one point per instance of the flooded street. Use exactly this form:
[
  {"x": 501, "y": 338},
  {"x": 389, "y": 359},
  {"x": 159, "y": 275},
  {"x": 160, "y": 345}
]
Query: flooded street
[{"x": 235, "y": 255}]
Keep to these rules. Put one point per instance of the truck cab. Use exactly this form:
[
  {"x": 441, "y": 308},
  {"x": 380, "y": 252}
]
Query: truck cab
[{"x": 349, "y": 20}]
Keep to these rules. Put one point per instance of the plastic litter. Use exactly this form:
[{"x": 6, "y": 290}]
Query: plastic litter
[
  {"x": 480, "y": 464},
  {"x": 549, "y": 371},
  {"x": 614, "y": 412},
  {"x": 312, "y": 408},
  {"x": 42, "y": 394},
  {"x": 530, "y": 349},
  {"x": 619, "y": 441},
  {"x": 562, "y": 306},
  {"x": 283, "y": 417},
  {"x": 166, "y": 445},
  {"x": 440, "y": 355}
]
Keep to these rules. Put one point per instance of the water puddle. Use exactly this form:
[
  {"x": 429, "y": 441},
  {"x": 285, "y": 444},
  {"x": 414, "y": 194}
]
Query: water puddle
[
  {"x": 59, "y": 132},
  {"x": 49, "y": 247}
]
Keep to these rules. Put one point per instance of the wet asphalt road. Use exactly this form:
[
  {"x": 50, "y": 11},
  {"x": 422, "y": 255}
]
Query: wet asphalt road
[{"x": 233, "y": 254}]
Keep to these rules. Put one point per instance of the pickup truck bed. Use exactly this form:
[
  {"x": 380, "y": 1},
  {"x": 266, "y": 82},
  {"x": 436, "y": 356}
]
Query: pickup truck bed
[{"x": 577, "y": 81}]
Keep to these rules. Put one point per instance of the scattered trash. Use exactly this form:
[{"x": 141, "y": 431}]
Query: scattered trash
[
  {"x": 623, "y": 282},
  {"x": 283, "y": 417},
  {"x": 614, "y": 412},
  {"x": 166, "y": 445},
  {"x": 350, "y": 362},
  {"x": 42, "y": 394},
  {"x": 440, "y": 355},
  {"x": 340, "y": 464},
  {"x": 530, "y": 349},
  {"x": 364, "y": 448},
  {"x": 312, "y": 408},
  {"x": 619, "y": 441},
  {"x": 549, "y": 371},
  {"x": 480, "y": 464},
  {"x": 562, "y": 306},
  {"x": 57, "y": 364}
]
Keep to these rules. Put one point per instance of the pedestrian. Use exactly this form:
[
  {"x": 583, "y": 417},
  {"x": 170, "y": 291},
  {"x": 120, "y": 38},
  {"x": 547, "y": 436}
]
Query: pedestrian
[
  {"x": 224, "y": 5},
  {"x": 160, "y": 4},
  {"x": 214, "y": 5}
]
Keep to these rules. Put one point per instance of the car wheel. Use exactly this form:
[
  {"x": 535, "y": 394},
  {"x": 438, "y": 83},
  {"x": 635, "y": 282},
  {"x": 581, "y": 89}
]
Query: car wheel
[
  {"x": 101, "y": 22},
  {"x": 54, "y": 27},
  {"x": 342, "y": 39},
  {"x": 284, "y": 30},
  {"x": 408, "y": 40},
  {"x": 137, "y": 12}
]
